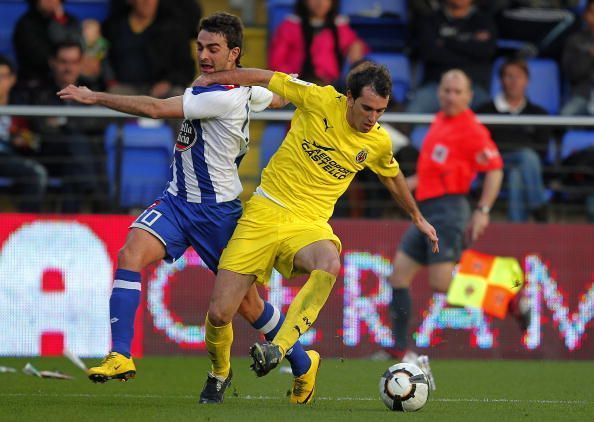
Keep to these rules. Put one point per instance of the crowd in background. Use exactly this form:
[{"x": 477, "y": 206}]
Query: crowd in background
[{"x": 130, "y": 53}]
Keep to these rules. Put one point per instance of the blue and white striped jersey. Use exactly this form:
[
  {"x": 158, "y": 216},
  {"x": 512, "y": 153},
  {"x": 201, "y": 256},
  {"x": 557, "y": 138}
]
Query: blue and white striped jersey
[{"x": 212, "y": 141}]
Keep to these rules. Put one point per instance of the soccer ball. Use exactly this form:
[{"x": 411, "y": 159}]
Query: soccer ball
[{"x": 404, "y": 387}]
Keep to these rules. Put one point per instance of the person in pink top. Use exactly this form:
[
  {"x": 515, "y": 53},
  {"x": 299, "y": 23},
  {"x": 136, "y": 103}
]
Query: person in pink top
[{"x": 315, "y": 42}]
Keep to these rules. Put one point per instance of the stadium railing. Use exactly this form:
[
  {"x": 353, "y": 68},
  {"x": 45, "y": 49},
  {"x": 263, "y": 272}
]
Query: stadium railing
[{"x": 554, "y": 170}]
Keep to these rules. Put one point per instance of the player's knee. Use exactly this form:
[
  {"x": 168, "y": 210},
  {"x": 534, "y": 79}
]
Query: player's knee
[
  {"x": 218, "y": 315},
  {"x": 129, "y": 258},
  {"x": 440, "y": 285},
  {"x": 329, "y": 265},
  {"x": 397, "y": 281}
]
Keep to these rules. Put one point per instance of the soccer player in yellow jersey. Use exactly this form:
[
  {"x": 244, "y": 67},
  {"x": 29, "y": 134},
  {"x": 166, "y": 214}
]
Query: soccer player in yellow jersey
[{"x": 285, "y": 223}]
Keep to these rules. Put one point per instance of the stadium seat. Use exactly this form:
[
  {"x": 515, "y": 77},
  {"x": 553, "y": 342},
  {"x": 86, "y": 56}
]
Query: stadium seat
[
  {"x": 88, "y": 9},
  {"x": 145, "y": 161},
  {"x": 10, "y": 12},
  {"x": 544, "y": 88},
  {"x": 576, "y": 140},
  {"x": 272, "y": 138},
  {"x": 399, "y": 67},
  {"x": 374, "y": 8},
  {"x": 417, "y": 136},
  {"x": 277, "y": 11}
]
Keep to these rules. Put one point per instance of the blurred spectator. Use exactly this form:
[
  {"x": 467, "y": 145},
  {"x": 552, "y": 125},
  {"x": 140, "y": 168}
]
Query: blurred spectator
[
  {"x": 29, "y": 177},
  {"x": 94, "y": 67},
  {"x": 458, "y": 35},
  {"x": 523, "y": 169},
  {"x": 578, "y": 65},
  {"x": 315, "y": 42},
  {"x": 43, "y": 26},
  {"x": 141, "y": 52},
  {"x": 542, "y": 24},
  {"x": 67, "y": 145}
]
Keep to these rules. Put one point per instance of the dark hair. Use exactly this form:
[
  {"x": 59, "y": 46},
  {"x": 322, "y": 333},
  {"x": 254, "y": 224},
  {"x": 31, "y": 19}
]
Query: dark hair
[
  {"x": 515, "y": 61},
  {"x": 66, "y": 44},
  {"x": 227, "y": 25},
  {"x": 5, "y": 61},
  {"x": 301, "y": 10},
  {"x": 369, "y": 74}
]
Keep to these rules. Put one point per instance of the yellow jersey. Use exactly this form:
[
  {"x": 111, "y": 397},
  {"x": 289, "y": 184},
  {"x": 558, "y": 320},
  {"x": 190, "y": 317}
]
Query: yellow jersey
[{"x": 321, "y": 153}]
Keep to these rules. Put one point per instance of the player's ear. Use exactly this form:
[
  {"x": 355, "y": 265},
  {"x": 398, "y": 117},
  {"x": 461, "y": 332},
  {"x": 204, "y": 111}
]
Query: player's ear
[
  {"x": 234, "y": 53},
  {"x": 350, "y": 100}
]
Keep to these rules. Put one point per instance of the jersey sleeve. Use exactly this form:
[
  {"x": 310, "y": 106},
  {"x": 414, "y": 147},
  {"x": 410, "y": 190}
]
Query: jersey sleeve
[
  {"x": 260, "y": 98},
  {"x": 206, "y": 102},
  {"x": 484, "y": 154},
  {"x": 385, "y": 164},
  {"x": 304, "y": 95}
]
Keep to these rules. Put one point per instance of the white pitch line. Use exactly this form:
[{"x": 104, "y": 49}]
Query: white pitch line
[{"x": 249, "y": 397}]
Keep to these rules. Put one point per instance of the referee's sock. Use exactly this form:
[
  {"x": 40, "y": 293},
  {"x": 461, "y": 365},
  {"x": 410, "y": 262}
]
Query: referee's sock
[
  {"x": 268, "y": 324},
  {"x": 123, "y": 303},
  {"x": 305, "y": 308},
  {"x": 400, "y": 310}
]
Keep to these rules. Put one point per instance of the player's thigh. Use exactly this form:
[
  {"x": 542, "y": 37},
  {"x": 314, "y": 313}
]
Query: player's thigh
[
  {"x": 319, "y": 255},
  {"x": 404, "y": 271},
  {"x": 210, "y": 229},
  {"x": 306, "y": 246},
  {"x": 141, "y": 249},
  {"x": 161, "y": 220},
  {"x": 440, "y": 276},
  {"x": 229, "y": 290}
]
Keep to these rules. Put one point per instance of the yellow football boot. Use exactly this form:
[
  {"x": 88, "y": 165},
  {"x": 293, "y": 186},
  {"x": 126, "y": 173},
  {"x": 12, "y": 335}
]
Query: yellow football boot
[
  {"x": 304, "y": 386},
  {"x": 113, "y": 366}
]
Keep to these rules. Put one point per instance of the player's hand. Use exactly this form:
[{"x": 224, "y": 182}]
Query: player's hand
[
  {"x": 80, "y": 94},
  {"x": 429, "y": 231},
  {"x": 477, "y": 226}
]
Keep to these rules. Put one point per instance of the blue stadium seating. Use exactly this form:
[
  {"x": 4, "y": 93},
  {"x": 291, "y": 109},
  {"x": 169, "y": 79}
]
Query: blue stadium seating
[
  {"x": 271, "y": 140},
  {"x": 10, "y": 12},
  {"x": 399, "y": 67},
  {"x": 576, "y": 140},
  {"x": 86, "y": 9},
  {"x": 145, "y": 161},
  {"x": 417, "y": 136},
  {"x": 544, "y": 88},
  {"x": 277, "y": 11},
  {"x": 374, "y": 8}
]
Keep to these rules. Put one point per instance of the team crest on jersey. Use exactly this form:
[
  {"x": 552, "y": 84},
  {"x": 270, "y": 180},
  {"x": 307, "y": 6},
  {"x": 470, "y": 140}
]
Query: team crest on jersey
[
  {"x": 186, "y": 137},
  {"x": 361, "y": 156}
]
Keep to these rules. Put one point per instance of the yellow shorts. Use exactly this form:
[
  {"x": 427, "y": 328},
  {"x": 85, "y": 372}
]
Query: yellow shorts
[{"x": 268, "y": 236}]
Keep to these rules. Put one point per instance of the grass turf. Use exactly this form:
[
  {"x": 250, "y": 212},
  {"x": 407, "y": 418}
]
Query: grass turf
[{"x": 167, "y": 389}]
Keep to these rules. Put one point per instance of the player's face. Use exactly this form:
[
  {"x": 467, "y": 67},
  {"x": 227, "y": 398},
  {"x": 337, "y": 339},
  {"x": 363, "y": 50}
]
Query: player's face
[
  {"x": 213, "y": 53},
  {"x": 454, "y": 94},
  {"x": 66, "y": 66},
  {"x": 514, "y": 82},
  {"x": 364, "y": 112}
]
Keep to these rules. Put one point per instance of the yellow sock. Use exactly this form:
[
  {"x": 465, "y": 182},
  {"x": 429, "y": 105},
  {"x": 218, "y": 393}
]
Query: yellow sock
[
  {"x": 305, "y": 308},
  {"x": 218, "y": 344}
]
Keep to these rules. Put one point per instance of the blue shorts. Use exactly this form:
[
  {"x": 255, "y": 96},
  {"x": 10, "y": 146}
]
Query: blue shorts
[
  {"x": 449, "y": 215},
  {"x": 179, "y": 224}
]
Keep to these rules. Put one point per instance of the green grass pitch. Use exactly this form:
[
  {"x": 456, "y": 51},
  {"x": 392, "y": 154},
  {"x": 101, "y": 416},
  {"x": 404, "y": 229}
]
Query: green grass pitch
[{"x": 167, "y": 388}]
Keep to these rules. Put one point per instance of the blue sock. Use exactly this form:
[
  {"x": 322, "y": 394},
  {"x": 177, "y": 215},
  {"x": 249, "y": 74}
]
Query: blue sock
[
  {"x": 268, "y": 324},
  {"x": 123, "y": 303}
]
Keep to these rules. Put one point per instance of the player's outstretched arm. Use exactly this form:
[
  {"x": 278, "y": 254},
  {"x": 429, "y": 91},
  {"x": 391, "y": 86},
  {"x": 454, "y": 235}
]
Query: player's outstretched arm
[
  {"x": 139, "y": 105},
  {"x": 400, "y": 192},
  {"x": 241, "y": 76}
]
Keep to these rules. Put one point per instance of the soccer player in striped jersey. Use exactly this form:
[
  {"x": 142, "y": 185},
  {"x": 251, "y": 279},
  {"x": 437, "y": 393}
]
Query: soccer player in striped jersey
[{"x": 199, "y": 207}]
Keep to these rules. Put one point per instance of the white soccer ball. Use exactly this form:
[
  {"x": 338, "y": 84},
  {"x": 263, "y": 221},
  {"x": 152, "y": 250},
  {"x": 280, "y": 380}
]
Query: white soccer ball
[{"x": 404, "y": 387}]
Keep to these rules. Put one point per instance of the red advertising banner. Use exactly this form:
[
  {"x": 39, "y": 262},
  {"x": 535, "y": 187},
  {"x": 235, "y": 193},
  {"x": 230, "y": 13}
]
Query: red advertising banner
[{"x": 56, "y": 275}]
